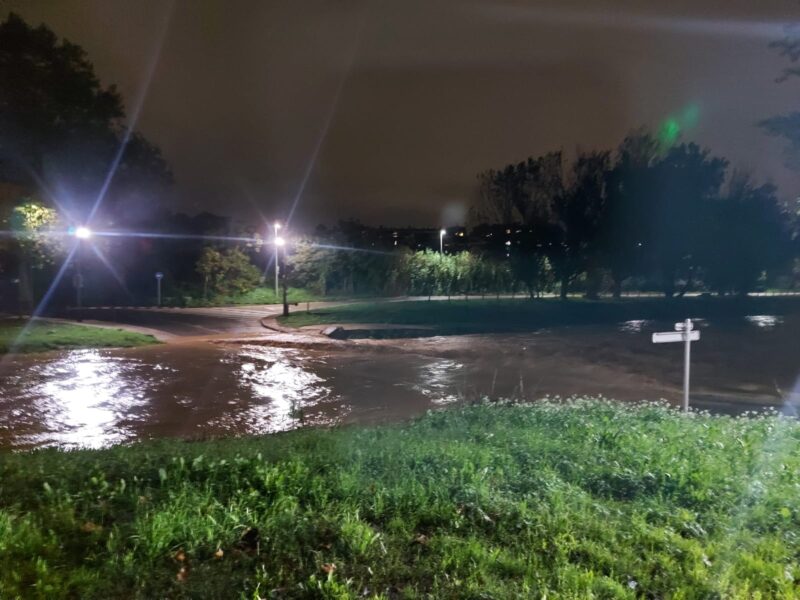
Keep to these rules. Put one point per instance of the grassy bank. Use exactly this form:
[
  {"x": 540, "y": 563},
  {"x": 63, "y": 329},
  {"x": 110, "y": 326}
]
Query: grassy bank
[
  {"x": 43, "y": 335},
  {"x": 560, "y": 501},
  {"x": 260, "y": 295},
  {"x": 522, "y": 314}
]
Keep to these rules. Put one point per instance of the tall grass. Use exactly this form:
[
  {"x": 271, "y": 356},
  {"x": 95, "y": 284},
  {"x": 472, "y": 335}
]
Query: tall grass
[{"x": 579, "y": 499}]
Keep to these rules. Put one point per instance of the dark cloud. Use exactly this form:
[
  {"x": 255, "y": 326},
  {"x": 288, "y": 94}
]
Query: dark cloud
[{"x": 416, "y": 97}]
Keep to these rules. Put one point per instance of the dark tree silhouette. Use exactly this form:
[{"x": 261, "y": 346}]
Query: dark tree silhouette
[
  {"x": 61, "y": 130},
  {"x": 747, "y": 234},
  {"x": 621, "y": 237},
  {"x": 787, "y": 126},
  {"x": 679, "y": 187}
]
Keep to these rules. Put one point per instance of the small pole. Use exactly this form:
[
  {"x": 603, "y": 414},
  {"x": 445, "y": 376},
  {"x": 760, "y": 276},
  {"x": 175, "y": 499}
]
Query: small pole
[
  {"x": 159, "y": 277},
  {"x": 79, "y": 289},
  {"x": 277, "y": 266},
  {"x": 79, "y": 276},
  {"x": 687, "y": 329},
  {"x": 277, "y": 269}
]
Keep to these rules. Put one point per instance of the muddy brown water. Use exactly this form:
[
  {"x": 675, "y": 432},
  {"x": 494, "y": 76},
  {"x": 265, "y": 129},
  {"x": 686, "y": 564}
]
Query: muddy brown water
[{"x": 94, "y": 398}]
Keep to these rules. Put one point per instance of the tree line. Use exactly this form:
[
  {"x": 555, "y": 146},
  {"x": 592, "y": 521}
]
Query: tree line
[
  {"x": 676, "y": 216},
  {"x": 645, "y": 215}
]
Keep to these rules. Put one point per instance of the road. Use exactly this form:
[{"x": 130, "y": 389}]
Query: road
[{"x": 185, "y": 322}]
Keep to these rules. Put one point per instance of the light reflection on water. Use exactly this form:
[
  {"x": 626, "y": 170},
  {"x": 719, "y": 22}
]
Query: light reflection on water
[
  {"x": 635, "y": 325},
  {"x": 83, "y": 397},
  {"x": 280, "y": 386},
  {"x": 437, "y": 380},
  {"x": 101, "y": 397},
  {"x": 764, "y": 321}
]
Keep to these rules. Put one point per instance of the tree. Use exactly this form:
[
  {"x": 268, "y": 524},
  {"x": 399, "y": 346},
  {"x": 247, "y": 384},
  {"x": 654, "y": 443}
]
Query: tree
[
  {"x": 532, "y": 271},
  {"x": 209, "y": 266},
  {"x": 559, "y": 208},
  {"x": 681, "y": 186},
  {"x": 34, "y": 245},
  {"x": 312, "y": 267},
  {"x": 787, "y": 126},
  {"x": 61, "y": 130},
  {"x": 747, "y": 235},
  {"x": 228, "y": 272},
  {"x": 577, "y": 211},
  {"x": 621, "y": 225}
]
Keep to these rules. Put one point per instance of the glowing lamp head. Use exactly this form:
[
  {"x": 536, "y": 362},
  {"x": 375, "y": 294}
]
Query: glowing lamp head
[
  {"x": 83, "y": 233},
  {"x": 443, "y": 232},
  {"x": 280, "y": 241}
]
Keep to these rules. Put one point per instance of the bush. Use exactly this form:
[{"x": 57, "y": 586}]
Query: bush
[{"x": 228, "y": 272}]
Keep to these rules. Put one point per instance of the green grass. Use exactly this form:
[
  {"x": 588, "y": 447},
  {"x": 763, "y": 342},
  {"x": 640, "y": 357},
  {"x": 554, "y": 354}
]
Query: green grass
[
  {"x": 587, "y": 499},
  {"x": 260, "y": 295},
  {"x": 477, "y": 315},
  {"x": 43, "y": 335}
]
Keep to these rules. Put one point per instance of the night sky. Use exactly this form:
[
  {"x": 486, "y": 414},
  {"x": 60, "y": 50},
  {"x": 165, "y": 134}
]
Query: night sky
[{"x": 404, "y": 102}]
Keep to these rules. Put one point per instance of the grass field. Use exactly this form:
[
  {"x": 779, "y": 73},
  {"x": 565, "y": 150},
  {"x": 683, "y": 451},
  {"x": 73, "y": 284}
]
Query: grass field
[
  {"x": 522, "y": 314},
  {"x": 43, "y": 335},
  {"x": 587, "y": 499},
  {"x": 260, "y": 295}
]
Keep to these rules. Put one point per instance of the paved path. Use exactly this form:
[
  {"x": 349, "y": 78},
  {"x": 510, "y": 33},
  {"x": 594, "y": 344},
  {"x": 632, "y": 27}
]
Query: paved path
[{"x": 186, "y": 322}]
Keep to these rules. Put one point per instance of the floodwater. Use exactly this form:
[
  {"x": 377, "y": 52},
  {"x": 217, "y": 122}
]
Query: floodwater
[{"x": 94, "y": 398}]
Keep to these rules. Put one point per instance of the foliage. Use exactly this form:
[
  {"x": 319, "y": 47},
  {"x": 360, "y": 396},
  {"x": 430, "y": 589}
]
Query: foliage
[
  {"x": 227, "y": 272},
  {"x": 787, "y": 126},
  {"x": 649, "y": 210},
  {"x": 24, "y": 336},
  {"x": 34, "y": 225},
  {"x": 576, "y": 499},
  {"x": 61, "y": 129},
  {"x": 258, "y": 295},
  {"x": 748, "y": 234}
]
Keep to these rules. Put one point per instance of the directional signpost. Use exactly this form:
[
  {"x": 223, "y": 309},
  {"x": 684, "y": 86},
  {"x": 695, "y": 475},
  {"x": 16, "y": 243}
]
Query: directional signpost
[{"x": 686, "y": 333}]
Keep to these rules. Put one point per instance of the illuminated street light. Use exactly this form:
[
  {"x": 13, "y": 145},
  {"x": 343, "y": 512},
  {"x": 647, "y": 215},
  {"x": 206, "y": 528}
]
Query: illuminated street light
[
  {"x": 83, "y": 233},
  {"x": 280, "y": 241},
  {"x": 441, "y": 240}
]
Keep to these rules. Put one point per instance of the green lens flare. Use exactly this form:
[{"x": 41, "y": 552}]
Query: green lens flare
[
  {"x": 672, "y": 127},
  {"x": 670, "y": 131}
]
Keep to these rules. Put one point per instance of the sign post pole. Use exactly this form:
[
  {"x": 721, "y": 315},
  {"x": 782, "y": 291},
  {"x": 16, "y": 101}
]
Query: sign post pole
[
  {"x": 687, "y": 328},
  {"x": 159, "y": 277},
  {"x": 684, "y": 332}
]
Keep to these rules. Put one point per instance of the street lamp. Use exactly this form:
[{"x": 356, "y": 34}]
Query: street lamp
[
  {"x": 278, "y": 242},
  {"x": 82, "y": 233},
  {"x": 441, "y": 240}
]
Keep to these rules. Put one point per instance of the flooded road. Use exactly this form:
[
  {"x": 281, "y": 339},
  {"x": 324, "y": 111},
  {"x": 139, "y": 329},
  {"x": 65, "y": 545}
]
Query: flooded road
[{"x": 96, "y": 398}]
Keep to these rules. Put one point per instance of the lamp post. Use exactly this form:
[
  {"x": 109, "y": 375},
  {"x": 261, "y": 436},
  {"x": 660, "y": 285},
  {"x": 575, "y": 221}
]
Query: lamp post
[
  {"x": 278, "y": 242},
  {"x": 441, "y": 240},
  {"x": 82, "y": 233}
]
